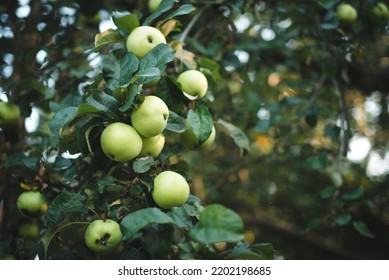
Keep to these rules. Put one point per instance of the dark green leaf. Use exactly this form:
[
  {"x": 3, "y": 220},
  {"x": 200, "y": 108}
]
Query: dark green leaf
[
  {"x": 332, "y": 131},
  {"x": 65, "y": 202},
  {"x": 182, "y": 10},
  {"x": 140, "y": 219},
  {"x": 316, "y": 162},
  {"x": 119, "y": 72},
  {"x": 133, "y": 91},
  {"x": 158, "y": 57},
  {"x": 362, "y": 228},
  {"x": 356, "y": 194},
  {"x": 343, "y": 219},
  {"x": 108, "y": 37},
  {"x": 146, "y": 76},
  {"x": 61, "y": 119},
  {"x": 218, "y": 224},
  {"x": 243, "y": 252},
  {"x": 125, "y": 21},
  {"x": 142, "y": 165},
  {"x": 237, "y": 135},
  {"x": 163, "y": 7},
  {"x": 61, "y": 163},
  {"x": 104, "y": 182},
  {"x": 158, "y": 240},
  {"x": 200, "y": 121},
  {"x": 176, "y": 123}
]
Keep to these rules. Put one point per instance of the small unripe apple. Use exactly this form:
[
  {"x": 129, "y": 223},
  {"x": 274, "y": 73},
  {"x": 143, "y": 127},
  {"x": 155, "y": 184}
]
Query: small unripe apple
[
  {"x": 170, "y": 190},
  {"x": 120, "y": 142},
  {"x": 103, "y": 236},
  {"x": 152, "y": 146},
  {"x": 191, "y": 142},
  {"x": 150, "y": 117},
  {"x": 194, "y": 84},
  {"x": 380, "y": 10},
  {"x": 9, "y": 115},
  {"x": 143, "y": 39},
  {"x": 153, "y": 4},
  {"x": 29, "y": 230},
  {"x": 32, "y": 204},
  {"x": 346, "y": 12}
]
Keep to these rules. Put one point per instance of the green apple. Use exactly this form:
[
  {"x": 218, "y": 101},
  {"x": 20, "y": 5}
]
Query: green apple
[
  {"x": 170, "y": 189},
  {"x": 152, "y": 146},
  {"x": 29, "y": 230},
  {"x": 191, "y": 142},
  {"x": 380, "y": 10},
  {"x": 194, "y": 84},
  {"x": 9, "y": 115},
  {"x": 153, "y": 4},
  {"x": 143, "y": 39},
  {"x": 346, "y": 12},
  {"x": 103, "y": 236},
  {"x": 121, "y": 142},
  {"x": 150, "y": 117},
  {"x": 32, "y": 203}
]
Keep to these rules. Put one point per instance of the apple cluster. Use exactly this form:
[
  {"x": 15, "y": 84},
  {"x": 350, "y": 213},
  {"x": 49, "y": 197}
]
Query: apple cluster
[{"x": 347, "y": 13}]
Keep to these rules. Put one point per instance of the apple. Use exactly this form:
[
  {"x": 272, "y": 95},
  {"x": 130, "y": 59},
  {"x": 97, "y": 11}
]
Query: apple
[
  {"x": 143, "y": 39},
  {"x": 150, "y": 117},
  {"x": 194, "y": 84},
  {"x": 153, "y": 4},
  {"x": 346, "y": 12},
  {"x": 170, "y": 189},
  {"x": 191, "y": 142},
  {"x": 29, "y": 230},
  {"x": 103, "y": 236},
  {"x": 31, "y": 203},
  {"x": 120, "y": 142},
  {"x": 152, "y": 146},
  {"x": 380, "y": 10},
  {"x": 9, "y": 115}
]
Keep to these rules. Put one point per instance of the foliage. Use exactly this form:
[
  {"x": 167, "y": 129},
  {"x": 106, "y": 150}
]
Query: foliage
[{"x": 291, "y": 89}]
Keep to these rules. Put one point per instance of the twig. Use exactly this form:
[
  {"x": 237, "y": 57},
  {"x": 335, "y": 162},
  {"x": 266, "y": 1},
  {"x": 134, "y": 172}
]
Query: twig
[
  {"x": 344, "y": 123},
  {"x": 191, "y": 24}
]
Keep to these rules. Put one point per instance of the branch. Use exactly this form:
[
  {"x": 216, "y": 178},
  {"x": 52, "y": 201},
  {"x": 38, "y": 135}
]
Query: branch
[
  {"x": 192, "y": 23},
  {"x": 344, "y": 122}
]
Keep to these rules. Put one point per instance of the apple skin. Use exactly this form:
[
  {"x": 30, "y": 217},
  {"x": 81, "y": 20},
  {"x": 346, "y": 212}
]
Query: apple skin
[
  {"x": 9, "y": 115},
  {"x": 103, "y": 236},
  {"x": 380, "y": 10},
  {"x": 143, "y": 39},
  {"x": 29, "y": 230},
  {"x": 170, "y": 190},
  {"x": 32, "y": 204},
  {"x": 153, "y": 4},
  {"x": 191, "y": 142},
  {"x": 152, "y": 146},
  {"x": 346, "y": 13},
  {"x": 150, "y": 117},
  {"x": 121, "y": 142},
  {"x": 193, "y": 83}
]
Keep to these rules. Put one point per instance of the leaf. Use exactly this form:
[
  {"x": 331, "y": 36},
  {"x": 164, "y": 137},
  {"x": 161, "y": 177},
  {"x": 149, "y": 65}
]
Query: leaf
[
  {"x": 146, "y": 76},
  {"x": 343, "y": 219},
  {"x": 362, "y": 228},
  {"x": 163, "y": 7},
  {"x": 183, "y": 10},
  {"x": 103, "y": 102},
  {"x": 201, "y": 123},
  {"x": 218, "y": 224},
  {"x": 176, "y": 123},
  {"x": 237, "y": 135},
  {"x": 158, "y": 57},
  {"x": 61, "y": 119},
  {"x": 140, "y": 219},
  {"x": 61, "y": 163},
  {"x": 104, "y": 182},
  {"x": 354, "y": 195},
  {"x": 242, "y": 251},
  {"x": 125, "y": 21},
  {"x": 65, "y": 202},
  {"x": 107, "y": 37},
  {"x": 158, "y": 240},
  {"x": 130, "y": 98},
  {"x": 142, "y": 165}
]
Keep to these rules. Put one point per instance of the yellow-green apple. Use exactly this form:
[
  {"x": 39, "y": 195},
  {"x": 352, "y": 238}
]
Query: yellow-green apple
[
  {"x": 153, "y": 4},
  {"x": 120, "y": 142},
  {"x": 143, "y": 39},
  {"x": 152, "y": 146},
  {"x": 194, "y": 84},
  {"x": 150, "y": 117},
  {"x": 380, "y": 10},
  {"x": 29, "y": 230},
  {"x": 32, "y": 203},
  {"x": 190, "y": 140},
  {"x": 170, "y": 189},
  {"x": 347, "y": 12},
  {"x": 9, "y": 115},
  {"x": 103, "y": 236}
]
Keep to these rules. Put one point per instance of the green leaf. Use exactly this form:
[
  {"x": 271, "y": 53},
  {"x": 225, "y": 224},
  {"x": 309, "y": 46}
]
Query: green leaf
[
  {"x": 140, "y": 219},
  {"x": 243, "y": 252},
  {"x": 181, "y": 217},
  {"x": 332, "y": 131},
  {"x": 218, "y": 224},
  {"x": 104, "y": 182},
  {"x": 354, "y": 195},
  {"x": 158, "y": 240},
  {"x": 65, "y": 202},
  {"x": 343, "y": 219},
  {"x": 61, "y": 163},
  {"x": 176, "y": 123},
  {"x": 316, "y": 162},
  {"x": 163, "y": 7},
  {"x": 103, "y": 102},
  {"x": 142, "y": 165},
  {"x": 362, "y": 228},
  {"x": 146, "y": 76},
  {"x": 182, "y": 10},
  {"x": 158, "y": 57},
  {"x": 61, "y": 119},
  {"x": 125, "y": 21},
  {"x": 132, "y": 93},
  {"x": 200, "y": 121},
  {"x": 237, "y": 135},
  {"x": 107, "y": 37}
]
